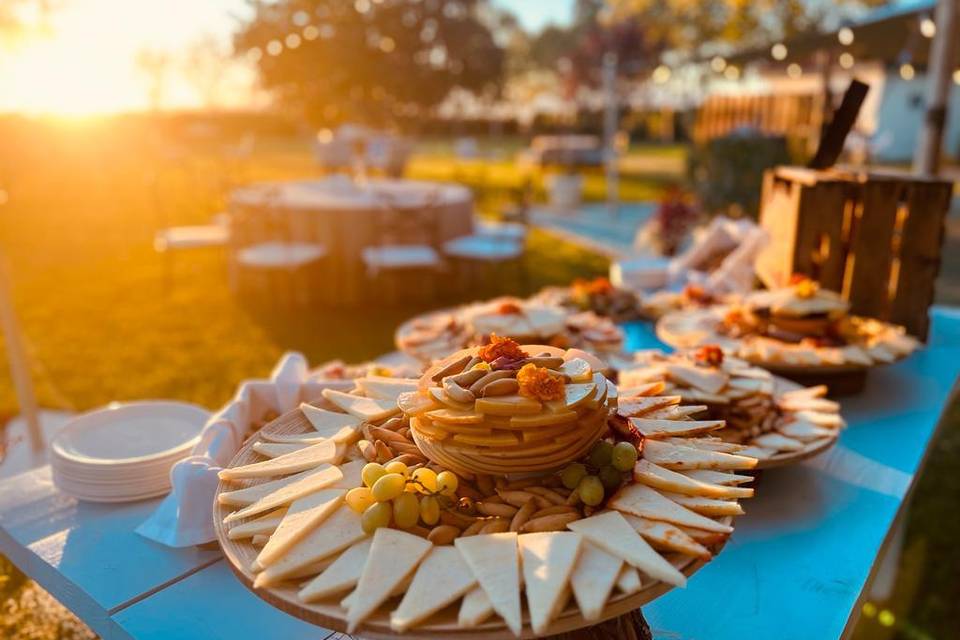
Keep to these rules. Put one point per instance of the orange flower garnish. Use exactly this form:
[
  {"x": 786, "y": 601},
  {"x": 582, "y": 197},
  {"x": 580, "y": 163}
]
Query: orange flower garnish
[
  {"x": 539, "y": 383},
  {"x": 806, "y": 288},
  {"x": 709, "y": 355},
  {"x": 508, "y": 308},
  {"x": 597, "y": 286},
  {"x": 697, "y": 294},
  {"x": 501, "y": 347}
]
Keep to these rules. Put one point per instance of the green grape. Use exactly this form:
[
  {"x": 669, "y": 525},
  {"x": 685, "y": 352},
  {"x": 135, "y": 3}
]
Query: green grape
[
  {"x": 406, "y": 510},
  {"x": 447, "y": 483},
  {"x": 377, "y": 515},
  {"x": 429, "y": 510},
  {"x": 572, "y": 475},
  {"x": 426, "y": 477},
  {"x": 388, "y": 487},
  {"x": 601, "y": 453},
  {"x": 610, "y": 477},
  {"x": 624, "y": 456},
  {"x": 590, "y": 490},
  {"x": 397, "y": 467},
  {"x": 359, "y": 498},
  {"x": 372, "y": 471}
]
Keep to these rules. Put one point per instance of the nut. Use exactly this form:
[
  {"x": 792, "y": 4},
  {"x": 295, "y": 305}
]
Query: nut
[
  {"x": 443, "y": 534},
  {"x": 456, "y": 392},
  {"x": 501, "y": 387}
]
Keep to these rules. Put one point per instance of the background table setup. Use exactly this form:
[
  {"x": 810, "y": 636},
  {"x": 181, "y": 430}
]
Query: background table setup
[
  {"x": 794, "y": 568},
  {"x": 345, "y": 217}
]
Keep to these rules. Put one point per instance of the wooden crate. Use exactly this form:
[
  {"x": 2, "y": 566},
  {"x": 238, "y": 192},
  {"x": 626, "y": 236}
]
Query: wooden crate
[{"x": 873, "y": 236}]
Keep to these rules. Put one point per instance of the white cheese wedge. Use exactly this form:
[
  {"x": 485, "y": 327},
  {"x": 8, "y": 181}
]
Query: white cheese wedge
[
  {"x": 294, "y": 438},
  {"x": 264, "y": 525},
  {"x": 352, "y": 474},
  {"x": 702, "y": 378},
  {"x": 706, "y": 506},
  {"x": 306, "y": 483},
  {"x": 548, "y": 559},
  {"x": 716, "y": 477},
  {"x": 708, "y": 444},
  {"x": 249, "y": 495},
  {"x": 759, "y": 453},
  {"x": 306, "y": 458},
  {"x": 494, "y": 559},
  {"x": 831, "y": 420},
  {"x": 385, "y": 388},
  {"x": 809, "y": 404},
  {"x": 369, "y": 409},
  {"x": 475, "y": 608},
  {"x": 664, "y": 535},
  {"x": 659, "y": 478},
  {"x": 778, "y": 442},
  {"x": 277, "y": 449},
  {"x": 805, "y": 431},
  {"x": 672, "y": 456},
  {"x": 303, "y": 516},
  {"x": 334, "y": 534},
  {"x": 629, "y": 580},
  {"x": 398, "y": 590},
  {"x": 636, "y": 407},
  {"x": 339, "y": 427},
  {"x": 593, "y": 578},
  {"x": 664, "y": 428},
  {"x": 441, "y": 579},
  {"x": 641, "y": 500},
  {"x": 612, "y": 533},
  {"x": 393, "y": 556},
  {"x": 342, "y": 575}
]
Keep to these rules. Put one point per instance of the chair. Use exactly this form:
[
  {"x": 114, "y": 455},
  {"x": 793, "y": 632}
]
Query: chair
[
  {"x": 269, "y": 260},
  {"x": 407, "y": 245},
  {"x": 203, "y": 236}
]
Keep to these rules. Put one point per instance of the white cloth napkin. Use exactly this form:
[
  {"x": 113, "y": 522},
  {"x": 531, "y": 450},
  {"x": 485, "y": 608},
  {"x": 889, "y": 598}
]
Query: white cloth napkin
[{"x": 184, "y": 518}]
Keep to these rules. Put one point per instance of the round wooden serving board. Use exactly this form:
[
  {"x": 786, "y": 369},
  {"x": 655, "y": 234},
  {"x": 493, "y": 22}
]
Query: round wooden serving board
[{"x": 240, "y": 555}]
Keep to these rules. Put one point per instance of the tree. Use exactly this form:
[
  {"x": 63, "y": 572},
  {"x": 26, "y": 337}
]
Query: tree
[{"x": 363, "y": 60}]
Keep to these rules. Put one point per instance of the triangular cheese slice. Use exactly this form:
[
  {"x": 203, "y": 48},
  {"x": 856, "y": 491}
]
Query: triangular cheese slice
[
  {"x": 385, "y": 388},
  {"x": 665, "y": 428},
  {"x": 312, "y": 456},
  {"x": 629, "y": 580},
  {"x": 831, "y": 420},
  {"x": 475, "y": 608},
  {"x": 548, "y": 561},
  {"x": 805, "y": 431},
  {"x": 369, "y": 409},
  {"x": 716, "y": 477},
  {"x": 817, "y": 391},
  {"x": 709, "y": 444},
  {"x": 706, "y": 506},
  {"x": 314, "y": 480},
  {"x": 665, "y": 479},
  {"x": 672, "y": 456},
  {"x": 593, "y": 578},
  {"x": 612, "y": 533},
  {"x": 339, "y": 427},
  {"x": 703, "y": 378},
  {"x": 303, "y": 516},
  {"x": 640, "y": 500},
  {"x": 352, "y": 474},
  {"x": 494, "y": 559},
  {"x": 249, "y": 495},
  {"x": 441, "y": 579},
  {"x": 342, "y": 575},
  {"x": 393, "y": 556},
  {"x": 398, "y": 590},
  {"x": 264, "y": 525},
  {"x": 664, "y": 535},
  {"x": 778, "y": 442},
  {"x": 635, "y": 407},
  {"x": 758, "y": 452},
  {"x": 277, "y": 449},
  {"x": 334, "y": 534},
  {"x": 309, "y": 437}
]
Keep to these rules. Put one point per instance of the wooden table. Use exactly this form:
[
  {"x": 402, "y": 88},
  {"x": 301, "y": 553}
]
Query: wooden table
[
  {"x": 346, "y": 218},
  {"x": 795, "y": 567}
]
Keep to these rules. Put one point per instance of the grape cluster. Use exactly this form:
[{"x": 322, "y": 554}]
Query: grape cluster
[
  {"x": 608, "y": 463},
  {"x": 395, "y": 495}
]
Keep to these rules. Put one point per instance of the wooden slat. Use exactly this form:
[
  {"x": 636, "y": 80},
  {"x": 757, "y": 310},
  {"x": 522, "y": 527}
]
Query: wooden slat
[
  {"x": 820, "y": 220},
  {"x": 871, "y": 246}
]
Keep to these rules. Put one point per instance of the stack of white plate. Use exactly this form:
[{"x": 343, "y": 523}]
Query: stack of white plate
[{"x": 124, "y": 452}]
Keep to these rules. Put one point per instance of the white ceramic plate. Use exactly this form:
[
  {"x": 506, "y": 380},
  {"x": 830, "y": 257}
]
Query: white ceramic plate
[{"x": 131, "y": 433}]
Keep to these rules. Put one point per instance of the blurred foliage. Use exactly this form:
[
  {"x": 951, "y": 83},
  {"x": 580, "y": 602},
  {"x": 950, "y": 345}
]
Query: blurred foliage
[
  {"x": 727, "y": 173},
  {"x": 367, "y": 61}
]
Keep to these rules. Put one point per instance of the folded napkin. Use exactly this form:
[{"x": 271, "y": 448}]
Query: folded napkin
[{"x": 184, "y": 518}]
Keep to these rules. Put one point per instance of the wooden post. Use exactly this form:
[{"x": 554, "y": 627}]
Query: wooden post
[
  {"x": 19, "y": 369},
  {"x": 611, "y": 117},
  {"x": 943, "y": 53}
]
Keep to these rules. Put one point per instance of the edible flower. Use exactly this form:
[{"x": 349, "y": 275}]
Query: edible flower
[
  {"x": 806, "y": 288},
  {"x": 709, "y": 355},
  {"x": 501, "y": 348},
  {"x": 539, "y": 383},
  {"x": 509, "y": 308},
  {"x": 597, "y": 286}
]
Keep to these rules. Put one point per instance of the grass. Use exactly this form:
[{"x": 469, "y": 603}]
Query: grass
[{"x": 77, "y": 229}]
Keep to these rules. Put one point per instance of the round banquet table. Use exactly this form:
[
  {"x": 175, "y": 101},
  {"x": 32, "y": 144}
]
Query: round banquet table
[{"x": 345, "y": 217}]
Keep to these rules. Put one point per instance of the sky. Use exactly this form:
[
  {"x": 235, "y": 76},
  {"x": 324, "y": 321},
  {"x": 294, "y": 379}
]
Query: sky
[{"x": 82, "y": 59}]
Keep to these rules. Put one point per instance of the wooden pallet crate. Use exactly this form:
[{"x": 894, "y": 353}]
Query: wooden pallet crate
[{"x": 873, "y": 236}]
